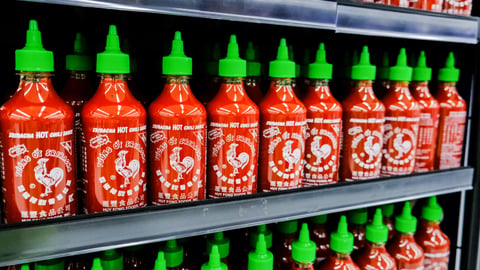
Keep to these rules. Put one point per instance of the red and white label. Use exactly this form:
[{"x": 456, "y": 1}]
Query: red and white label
[
  {"x": 437, "y": 261},
  {"x": 426, "y": 142},
  {"x": 451, "y": 131}
]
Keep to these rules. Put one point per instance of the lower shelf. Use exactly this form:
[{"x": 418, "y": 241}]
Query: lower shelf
[{"x": 20, "y": 243}]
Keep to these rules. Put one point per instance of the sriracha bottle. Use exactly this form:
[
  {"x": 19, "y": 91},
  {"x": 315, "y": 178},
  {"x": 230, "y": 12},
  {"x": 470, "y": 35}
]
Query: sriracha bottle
[
  {"x": 283, "y": 244},
  {"x": 341, "y": 243},
  {"x": 232, "y": 132},
  {"x": 303, "y": 250},
  {"x": 97, "y": 264},
  {"x": 37, "y": 141},
  {"x": 387, "y": 211},
  {"x": 260, "y": 258},
  {"x": 401, "y": 121},
  {"x": 430, "y": 237},
  {"x": 214, "y": 262},
  {"x": 320, "y": 236},
  {"x": 407, "y": 253},
  {"x": 324, "y": 124},
  {"x": 223, "y": 245},
  {"x": 173, "y": 255},
  {"x": 363, "y": 120},
  {"x": 453, "y": 113},
  {"x": 429, "y": 112},
  {"x": 252, "y": 82},
  {"x": 357, "y": 220},
  {"x": 283, "y": 126},
  {"x": 382, "y": 84},
  {"x": 177, "y": 135},
  {"x": 374, "y": 256},
  {"x": 114, "y": 124}
]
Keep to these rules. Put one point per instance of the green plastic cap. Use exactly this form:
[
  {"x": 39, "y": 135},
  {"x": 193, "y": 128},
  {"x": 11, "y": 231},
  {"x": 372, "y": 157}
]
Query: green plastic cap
[
  {"x": 320, "y": 69},
  {"x": 383, "y": 70},
  {"x": 253, "y": 67},
  {"x": 223, "y": 244},
  {"x": 341, "y": 241},
  {"x": 377, "y": 232},
  {"x": 160, "y": 262},
  {"x": 261, "y": 229},
  {"x": 214, "y": 262},
  {"x": 401, "y": 71},
  {"x": 291, "y": 57},
  {"x": 97, "y": 264},
  {"x": 282, "y": 67},
  {"x": 320, "y": 219},
  {"x": 33, "y": 57},
  {"x": 173, "y": 253},
  {"x": 232, "y": 65},
  {"x": 55, "y": 264},
  {"x": 79, "y": 60},
  {"x": 261, "y": 258},
  {"x": 364, "y": 70},
  {"x": 288, "y": 227},
  {"x": 177, "y": 63},
  {"x": 304, "y": 250},
  {"x": 112, "y": 260},
  {"x": 387, "y": 209},
  {"x": 449, "y": 73},
  {"x": 358, "y": 216},
  {"x": 24, "y": 267},
  {"x": 432, "y": 210},
  {"x": 113, "y": 60},
  {"x": 406, "y": 223},
  {"x": 421, "y": 72}
]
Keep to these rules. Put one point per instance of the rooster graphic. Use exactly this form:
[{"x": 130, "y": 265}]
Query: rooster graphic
[
  {"x": 237, "y": 162},
  {"x": 126, "y": 171},
  {"x": 180, "y": 166},
  {"x": 401, "y": 146},
  {"x": 291, "y": 157},
  {"x": 47, "y": 179},
  {"x": 371, "y": 149},
  {"x": 320, "y": 151}
]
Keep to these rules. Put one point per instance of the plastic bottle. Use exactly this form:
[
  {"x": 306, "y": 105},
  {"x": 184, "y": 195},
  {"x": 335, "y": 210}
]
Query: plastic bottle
[
  {"x": 357, "y": 221},
  {"x": 214, "y": 262},
  {"x": 233, "y": 132},
  {"x": 387, "y": 210},
  {"x": 303, "y": 250},
  {"x": 324, "y": 125},
  {"x": 283, "y": 128},
  {"x": 295, "y": 85},
  {"x": 429, "y": 113},
  {"x": 114, "y": 124},
  {"x": 374, "y": 256},
  {"x": 363, "y": 120},
  {"x": 321, "y": 237},
  {"x": 214, "y": 82},
  {"x": 401, "y": 121},
  {"x": 382, "y": 83},
  {"x": 134, "y": 258},
  {"x": 160, "y": 262},
  {"x": 252, "y": 81},
  {"x": 112, "y": 259},
  {"x": 177, "y": 131},
  {"x": 260, "y": 258},
  {"x": 97, "y": 264},
  {"x": 173, "y": 255},
  {"x": 267, "y": 234},
  {"x": 431, "y": 238},
  {"x": 453, "y": 113},
  {"x": 223, "y": 245},
  {"x": 407, "y": 253},
  {"x": 341, "y": 243},
  {"x": 287, "y": 233},
  {"x": 38, "y": 147},
  {"x": 55, "y": 264}
]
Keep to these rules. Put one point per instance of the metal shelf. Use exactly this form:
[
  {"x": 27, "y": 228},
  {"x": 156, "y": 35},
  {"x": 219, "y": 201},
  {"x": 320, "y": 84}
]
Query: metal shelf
[{"x": 28, "y": 242}]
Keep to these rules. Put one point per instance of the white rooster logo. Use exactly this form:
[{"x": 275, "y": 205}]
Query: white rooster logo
[
  {"x": 180, "y": 166},
  {"x": 320, "y": 151},
  {"x": 126, "y": 171},
  {"x": 371, "y": 149},
  {"x": 401, "y": 146},
  {"x": 237, "y": 162},
  {"x": 47, "y": 179},
  {"x": 292, "y": 157}
]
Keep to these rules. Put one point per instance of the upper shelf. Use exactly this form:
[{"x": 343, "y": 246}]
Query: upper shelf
[
  {"x": 83, "y": 234},
  {"x": 344, "y": 16}
]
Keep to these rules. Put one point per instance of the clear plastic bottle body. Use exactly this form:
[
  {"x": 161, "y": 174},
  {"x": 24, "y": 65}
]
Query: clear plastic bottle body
[{"x": 252, "y": 87}]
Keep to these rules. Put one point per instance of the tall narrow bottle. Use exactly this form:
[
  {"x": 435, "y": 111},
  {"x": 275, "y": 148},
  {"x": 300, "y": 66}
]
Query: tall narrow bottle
[
  {"x": 37, "y": 141},
  {"x": 363, "y": 119},
  {"x": 283, "y": 127},
  {"x": 222, "y": 243},
  {"x": 453, "y": 113},
  {"x": 401, "y": 121},
  {"x": 287, "y": 233},
  {"x": 357, "y": 221},
  {"x": 321, "y": 237},
  {"x": 232, "y": 132},
  {"x": 324, "y": 124},
  {"x": 177, "y": 135},
  {"x": 114, "y": 124}
]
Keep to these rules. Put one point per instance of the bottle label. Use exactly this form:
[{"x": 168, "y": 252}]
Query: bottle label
[
  {"x": 232, "y": 163},
  {"x": 437, "y": 261},
  {"x": 451, "y": 130},
  {"x": 283, "y": 148},
  {"x": 322, "y": 149},
  {"x": 427, "y": 139},
  {"x": 362, "y": 148},
  {"x": 405, "y": 267},
  {"x": 458, "y": 7},
  {"x": 39, "y": 173},
  {"x": 399, "y": 144},
  {"x": 178, "y": 162},
  {"x": 115, "y": 160}
]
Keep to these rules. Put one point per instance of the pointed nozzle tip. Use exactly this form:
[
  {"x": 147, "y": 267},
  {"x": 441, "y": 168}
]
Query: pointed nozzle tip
[
  {"x": 112, "y": 30},
  {"x": 214, "y": 259},
  {"x": 178, "y": 35},
  {"x": 304, "y": 234},
  {"x": 261, "y": 246},
  {"x": 97, "y": 264},
  {"x": 283, "y": 42},
  {"x": 322, "y": 46},
  {"x": 450, "y": 60},
  {"x": 33, "y": 25},
  {"x": 432, "y": 201},
  {"x": 407, "y": 209},
  {"x": 342, "y": 225},
  {"x": 233, "y": 39},
  {"x": 378, "y": 218}
]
